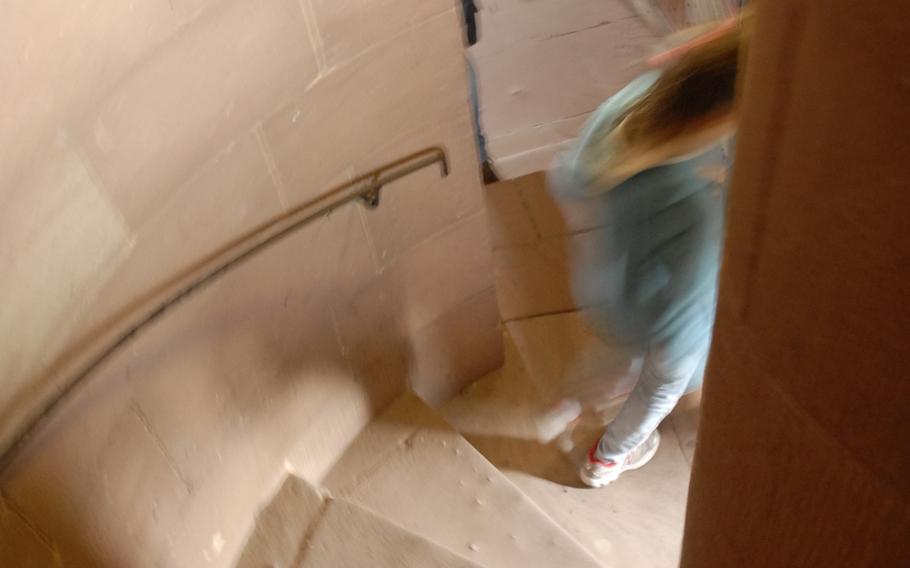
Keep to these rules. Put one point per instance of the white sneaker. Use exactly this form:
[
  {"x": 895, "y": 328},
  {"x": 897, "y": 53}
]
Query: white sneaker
[{"x": 597, "y": 472}]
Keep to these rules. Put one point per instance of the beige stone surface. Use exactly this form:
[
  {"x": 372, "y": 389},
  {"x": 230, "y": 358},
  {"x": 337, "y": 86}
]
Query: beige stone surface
[
  {"x": 397, "y": 98},
  {"x": 398, "y": 422},
  {"x": 523, "y": 211},
  {"x": 300, "y": 528},
  {"x": 57, "y": 60},
  {"x": 94, "y": 487},
  {"x": 250, "y": 359},
  {"x": 535, "y": 149},
  {"x": 219, "y": 399},
  {"x": 509, "y": 22},
  {"x": 375, "y": 20},
  {"x": 434, "y": 483},
  {"x": 563, "y": 354},
  {"x": 142, "y": 137},
  {"x": 283, "y": 525},
  {"x": 59, "y": 237},
  {"x": 428, "y": 282},
  {"x": 423, "y": 204},
  {"x": 349, "y": 536},
  {"x": 806, "y": 397},
  {"x": 533, "y": 279},
  {"x": 193, "y": 95},
  {"x": 636, "y": 521},
  {"x": 228, "y": 194},
  {"x": 427, "y": 241},
  {"x": 406, "y": 306},
  {"x": 19, "y": 541},
  {"x": 510, "y": 224},
  {"x": 359, "y": 116},
  {"x": 544, "y": 66},
  {"x": 535, "y": 241},
  {"x": 554, "y": 218},
  {"x": 439, "y": 363}
]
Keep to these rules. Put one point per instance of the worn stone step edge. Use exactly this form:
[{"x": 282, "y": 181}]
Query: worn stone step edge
[
  {"x": 284, "y": 529},
  {"x": 405, "y": 418}
]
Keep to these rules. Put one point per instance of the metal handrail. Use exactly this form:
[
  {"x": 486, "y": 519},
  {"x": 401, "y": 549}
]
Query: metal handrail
[{"x": 81, "y": 359}]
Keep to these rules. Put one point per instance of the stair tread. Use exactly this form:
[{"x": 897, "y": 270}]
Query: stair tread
[
  {"x": 411, "y": 467},
  {"x": 398, "y": 422},
  {"x": 349, "y": 536},
  {"x": 282, "y": 525},
  {"x": 636, "y": 521}
]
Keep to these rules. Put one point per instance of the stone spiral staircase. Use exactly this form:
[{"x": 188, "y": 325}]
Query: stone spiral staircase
[
  {"x": 165, "y": 458},
  {"x": 410, "y": 491},
  {"x": 131, "y": 125},
  {"x": 466, "y": 483}
]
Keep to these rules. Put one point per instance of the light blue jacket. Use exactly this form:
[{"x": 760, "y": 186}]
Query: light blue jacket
[{"x": 651, "y": 274}]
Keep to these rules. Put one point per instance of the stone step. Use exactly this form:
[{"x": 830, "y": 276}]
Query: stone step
[
  {"x": 413, "y": 469},
  {"x": 349, "y": 536},
  {"x": 301, "y": 528},
  {"x": 637, "y": 520},
  {"x": 281, "y": 527}
]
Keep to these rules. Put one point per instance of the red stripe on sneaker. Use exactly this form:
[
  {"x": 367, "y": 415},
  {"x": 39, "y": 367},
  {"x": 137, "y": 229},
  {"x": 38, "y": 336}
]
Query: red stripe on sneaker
[{"x": 594, "y": 459}]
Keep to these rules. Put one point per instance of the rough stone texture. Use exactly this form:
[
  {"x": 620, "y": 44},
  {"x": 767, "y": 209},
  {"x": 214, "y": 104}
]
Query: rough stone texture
[
  {"x": 375, "y": 21},
  {"x": 554, "y": 218},
  {"x": 438, "y": 363},
  {"x": 191, "y": 96},
  {"x": 523, "y": 211},
  {"x": 332, "y": 132},
  {"x": 298, "y": 528},
  {"x": 636, "y": 521},
  {"x": 563, "y": 354},
  {"x": 534, "y": 240},
  {"x": 420, "y": 474},
  {"x": 60, "y": 238},
  {"x": 408, "y": 315},
  {"x": 349, "y": 536},
  {"x": 235, "y": 183},
  {"x": 57, "y": 486},
  {"x": 282, "y": 526},
  {"x": 544, "y": 66},
  {"x": 144, "y": 134},
  {"x": 533, "y": 280},
  {"x": 383, "y": 436},
  {"x": 510, "y": 224}
]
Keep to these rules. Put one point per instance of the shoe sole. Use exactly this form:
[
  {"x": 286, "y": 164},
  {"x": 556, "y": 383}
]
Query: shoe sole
[{"x": 600, "y": 482}]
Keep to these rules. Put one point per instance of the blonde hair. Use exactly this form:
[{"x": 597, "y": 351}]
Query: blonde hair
[{"x": 699, "y": 84}]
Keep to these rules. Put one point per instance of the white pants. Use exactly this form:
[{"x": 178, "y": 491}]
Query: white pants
[{"x": 665, "y": 377}]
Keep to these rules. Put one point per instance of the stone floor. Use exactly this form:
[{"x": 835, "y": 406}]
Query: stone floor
[
  {"x": 637, "y": 521},
  {"x": 410, "y": 492}
]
